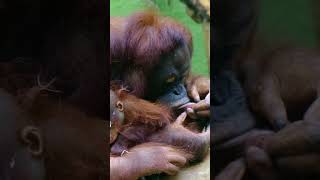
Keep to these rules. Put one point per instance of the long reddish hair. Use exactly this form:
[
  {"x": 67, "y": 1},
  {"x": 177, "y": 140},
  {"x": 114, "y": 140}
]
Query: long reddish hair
[
  {"x": 139, "y": 41},
  {"x": 148, "y": 36}
]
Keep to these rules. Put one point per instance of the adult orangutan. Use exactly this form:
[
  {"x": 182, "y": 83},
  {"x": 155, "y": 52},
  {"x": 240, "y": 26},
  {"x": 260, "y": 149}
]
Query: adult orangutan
[
  {"x": 292, "y": 152},
  {"x": 152, "y": 56}
]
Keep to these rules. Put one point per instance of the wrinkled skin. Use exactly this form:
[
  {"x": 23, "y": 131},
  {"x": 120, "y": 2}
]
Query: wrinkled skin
[
  {"x": 275, "y": 92},
  {"x": 199, "y": 90},
  {"x": 291, "y": 152},
  {"x": 231, "y": 118},
  {"x": 176, "y": 135},
  {"x": 231, "y": 115},
  {"x": 147, "y": 159},
  {"x": 294, "y": 151}
]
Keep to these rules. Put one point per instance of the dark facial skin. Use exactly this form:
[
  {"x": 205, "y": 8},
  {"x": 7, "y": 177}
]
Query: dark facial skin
[
  {"x": 166, "y": 81},
  {"x": 155, "y": 69},
  {"x": 168, "y": 86}
]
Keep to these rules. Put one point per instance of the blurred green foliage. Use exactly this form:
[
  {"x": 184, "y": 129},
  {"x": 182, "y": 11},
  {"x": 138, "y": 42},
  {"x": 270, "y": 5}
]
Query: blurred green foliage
[
  {"x": 287, "y": 20},
  {"x": 176, "y": 10}
]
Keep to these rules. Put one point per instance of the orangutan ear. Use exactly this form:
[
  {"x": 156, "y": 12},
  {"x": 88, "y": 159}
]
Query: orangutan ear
[{"x": 32, "y": 138}]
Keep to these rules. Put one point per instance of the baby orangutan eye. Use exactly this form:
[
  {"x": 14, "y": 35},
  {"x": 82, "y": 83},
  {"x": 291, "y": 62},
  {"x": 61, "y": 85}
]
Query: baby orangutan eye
[{"x": 120, "y": 106}]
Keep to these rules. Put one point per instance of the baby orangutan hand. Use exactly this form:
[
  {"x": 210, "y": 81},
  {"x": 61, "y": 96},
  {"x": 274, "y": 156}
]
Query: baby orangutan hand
[{"x": 147, "y": 159}]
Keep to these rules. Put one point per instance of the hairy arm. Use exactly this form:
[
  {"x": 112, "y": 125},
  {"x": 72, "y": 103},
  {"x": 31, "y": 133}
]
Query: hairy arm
[{"x": 146, "y": 159}]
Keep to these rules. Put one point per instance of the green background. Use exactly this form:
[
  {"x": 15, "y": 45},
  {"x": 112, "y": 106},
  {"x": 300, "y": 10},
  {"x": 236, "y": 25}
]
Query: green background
[
  {"x": 289, "y": 21},
  {"x": 176, "y": 10}
]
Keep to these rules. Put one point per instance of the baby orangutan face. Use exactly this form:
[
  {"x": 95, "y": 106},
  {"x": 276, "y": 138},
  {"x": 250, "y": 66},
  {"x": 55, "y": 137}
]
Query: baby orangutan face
[{"x": 116, "y": 116}]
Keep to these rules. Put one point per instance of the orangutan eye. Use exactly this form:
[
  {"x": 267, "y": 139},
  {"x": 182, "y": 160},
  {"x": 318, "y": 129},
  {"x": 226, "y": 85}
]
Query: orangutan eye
[{"x": 171, "y": 79}]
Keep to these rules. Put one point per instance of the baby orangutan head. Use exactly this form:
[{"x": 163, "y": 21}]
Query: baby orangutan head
[
  {"x": 127, "y": 110},
  {"x": 116, "y": 115}
]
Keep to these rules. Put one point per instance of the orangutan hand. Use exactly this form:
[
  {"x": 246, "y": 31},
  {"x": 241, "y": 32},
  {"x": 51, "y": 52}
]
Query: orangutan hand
[{"x": 147, "y": 159}]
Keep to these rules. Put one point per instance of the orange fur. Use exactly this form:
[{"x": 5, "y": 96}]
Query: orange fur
[
  {"x": 139, "y": 42},
  {"x": 142, "y": 111}
]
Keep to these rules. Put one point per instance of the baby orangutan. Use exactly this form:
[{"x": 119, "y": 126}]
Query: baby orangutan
[{"x": 135, "y": 121}]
